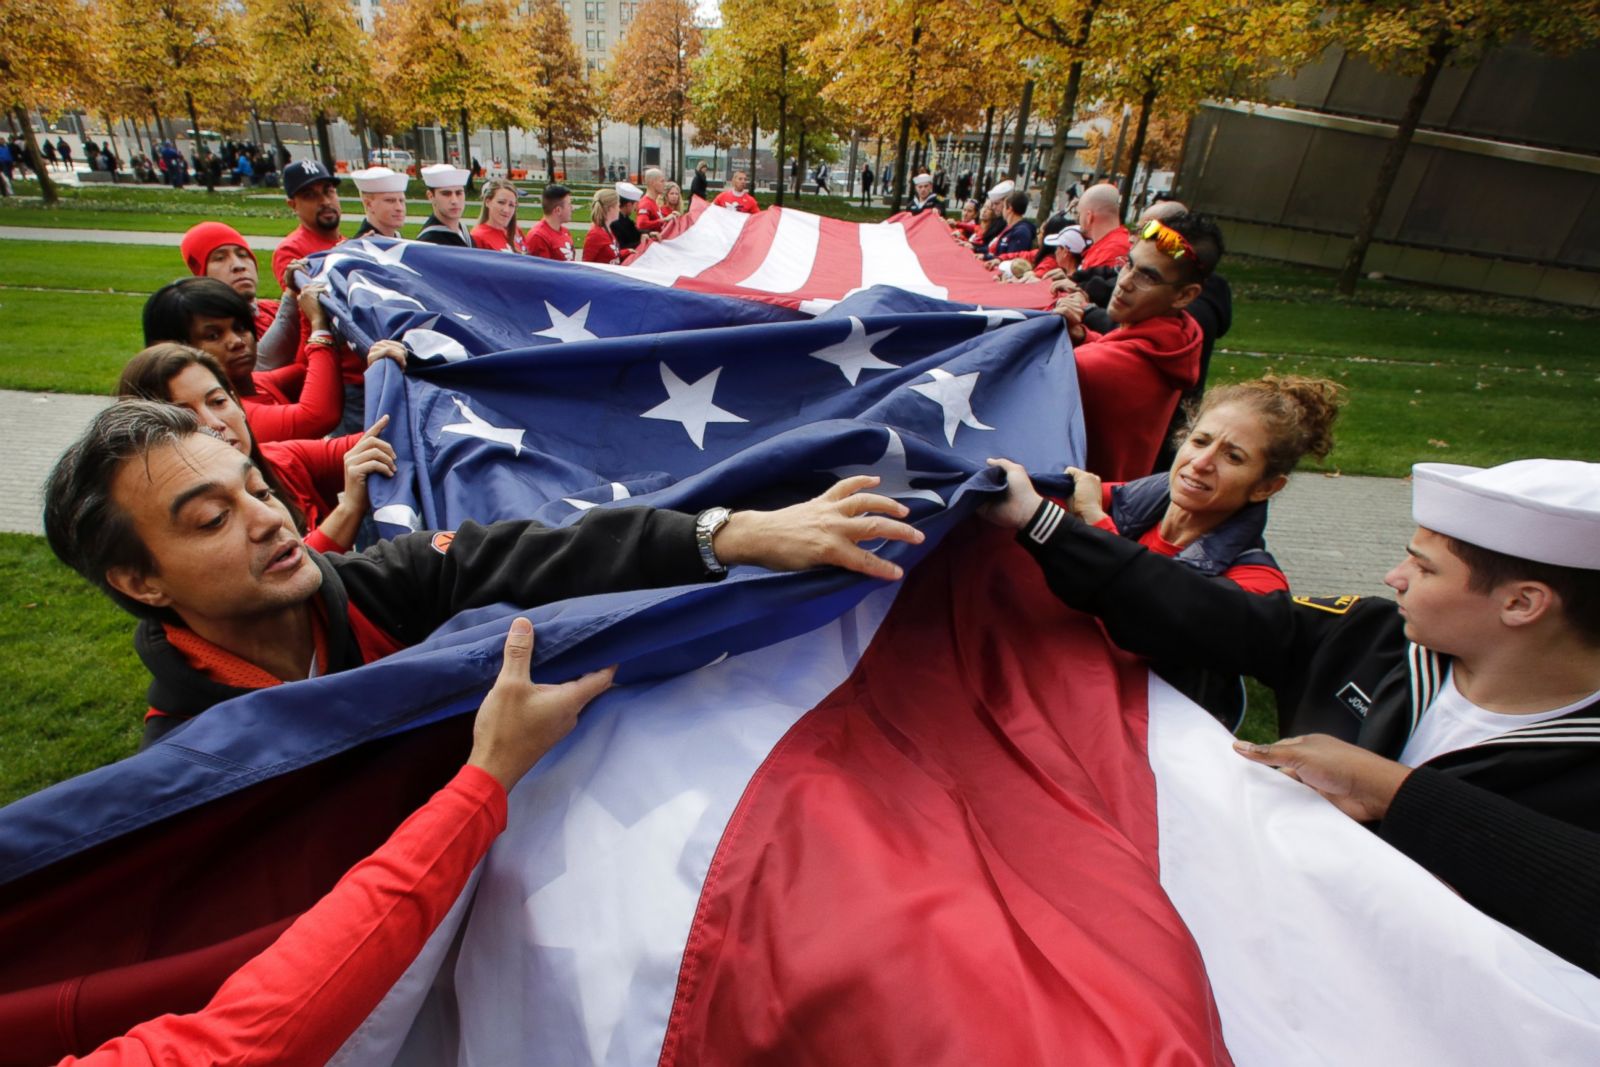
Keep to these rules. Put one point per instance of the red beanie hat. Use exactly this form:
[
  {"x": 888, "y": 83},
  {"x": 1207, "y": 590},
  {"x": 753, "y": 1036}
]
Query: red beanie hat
[{"x": 204, "y": 239}]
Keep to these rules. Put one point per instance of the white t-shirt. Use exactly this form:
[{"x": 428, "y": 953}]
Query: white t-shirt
[{"x": 1453, "y": 722}]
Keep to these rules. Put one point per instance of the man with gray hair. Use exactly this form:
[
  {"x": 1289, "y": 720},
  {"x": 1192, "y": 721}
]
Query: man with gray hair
[{"x": 186, "y": 535}]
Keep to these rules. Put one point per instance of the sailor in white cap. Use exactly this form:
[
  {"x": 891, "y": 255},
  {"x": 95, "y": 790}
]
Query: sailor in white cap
[
  {"x": 923, "y": 197},
  {"x": 1462, "y": 717},
  {"x": 383, "y": 199},
  {"x": 447, "y": 192},
  {"x": 623, "y": 228}
]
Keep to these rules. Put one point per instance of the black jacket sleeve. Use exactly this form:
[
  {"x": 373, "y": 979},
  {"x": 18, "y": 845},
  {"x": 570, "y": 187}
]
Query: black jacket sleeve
[
  {"x": 411, "y": 585},
  {"x": 1162, "y": 609},
  {"x": 1533, "y": 872}
]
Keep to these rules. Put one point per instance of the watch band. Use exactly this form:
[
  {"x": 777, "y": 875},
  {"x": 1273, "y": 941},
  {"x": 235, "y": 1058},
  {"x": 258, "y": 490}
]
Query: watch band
[{"x": 706, "y": 525}]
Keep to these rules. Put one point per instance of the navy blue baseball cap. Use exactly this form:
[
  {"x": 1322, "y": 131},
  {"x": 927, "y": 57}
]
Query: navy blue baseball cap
[{"x": 304, "y": 172}]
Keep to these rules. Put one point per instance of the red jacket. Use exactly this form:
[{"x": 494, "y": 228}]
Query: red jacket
[
  {"x": 304, "y": 399},
  {"x": 313, "y": 473},
  {"x": 1129, "y": 381},
  {"x": 650, "y": 218},
  {"x": 600, "y": 246},
  {"x": 298, "y": 245},
  {"x": 1108, "y": 251},
  {"x": 547, "y": 242},
  {"x": 742, "y": 201}
]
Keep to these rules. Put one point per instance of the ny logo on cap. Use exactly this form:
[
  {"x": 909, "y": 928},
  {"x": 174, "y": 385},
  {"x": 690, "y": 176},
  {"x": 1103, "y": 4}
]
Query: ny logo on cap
[{"x": 313, "y": 167}]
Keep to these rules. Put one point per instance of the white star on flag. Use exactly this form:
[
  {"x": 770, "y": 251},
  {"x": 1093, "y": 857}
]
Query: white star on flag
[
  {"x": 562, "y": 912},
  {"x": 894, "y": 475},
  {"x": 367, "y": 250},
  {"x": 565, "y": 327},
  {"x": 995, "y": 316},
  {"x": 854, "y": 354},
  {"x": 691, "y": 404},
  {"x": 431, "y": 344},
  {"x": 360, "y": 283},
  {"x": 618, "y": 492},
  {"x": 953, "y": 393},
  {"x": 475, "y": 426}
]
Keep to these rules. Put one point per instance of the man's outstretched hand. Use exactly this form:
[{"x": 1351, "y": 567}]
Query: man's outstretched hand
[
  {"x": 826, "y": 530},
  {"x": 1357, "y": 782},
  {"x": 519, "y": 721}
]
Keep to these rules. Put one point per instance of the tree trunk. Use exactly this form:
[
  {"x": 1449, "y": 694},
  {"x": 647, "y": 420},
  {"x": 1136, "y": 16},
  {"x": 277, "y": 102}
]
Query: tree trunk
[
  {"x": 1122, "y": 138},
  {"x": 255, "y": 121},
  {"x": 641, "y": 149},
  {"x": 1065, "y": 110},
  {"x": 599, "y": 149},
  {"x": 800, "y": 159},
  {"x": 160, "y": 134},
  {"x": 1136, "y": 151},
  {"x": 1183, "y": 155},
  {"x": 466, "y": 149},
  {"x": 903, "y": 143},
  {"x": 851, "y": 173},
  {"x": 1438, "y": 53},
  {"x": 361, "y": 137},
  {"x": 47, "y": 185},
  {"x": 1014, "y": 165},
  {"x": 138, "y": 138},
  {"x": 194, "y": 125},
  {"x": 111, "y": 140},
  {"x": 983, "y": 152},
  {"x": 781, "y": 156},
  {"x": 324, "y": 140},
  {"x": 549, "y": 155}
]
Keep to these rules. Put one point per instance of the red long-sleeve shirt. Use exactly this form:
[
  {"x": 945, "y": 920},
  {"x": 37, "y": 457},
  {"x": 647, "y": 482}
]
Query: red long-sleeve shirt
[
  {"x": 650, "y": 218},
  {"x": 312, "y": 471},
  {"x": 299, "y": 1001},
  {"x": 303, "y": 400},
  {"x": 1251, "y": 577},
  {"x": 600, "y": 246}
]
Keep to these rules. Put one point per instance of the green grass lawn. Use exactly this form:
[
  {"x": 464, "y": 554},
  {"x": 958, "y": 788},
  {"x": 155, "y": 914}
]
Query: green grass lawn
[
  {"x": 73, "y": 688},
  {"x": 65, "y": 341}
]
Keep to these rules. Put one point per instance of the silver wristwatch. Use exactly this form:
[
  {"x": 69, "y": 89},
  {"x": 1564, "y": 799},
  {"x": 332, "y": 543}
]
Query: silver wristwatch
[{"x": 706, "y": 525}]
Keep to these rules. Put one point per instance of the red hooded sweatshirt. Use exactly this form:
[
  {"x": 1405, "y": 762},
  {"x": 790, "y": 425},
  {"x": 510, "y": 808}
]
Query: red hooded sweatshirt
[{"x": 1130, "y": 380}]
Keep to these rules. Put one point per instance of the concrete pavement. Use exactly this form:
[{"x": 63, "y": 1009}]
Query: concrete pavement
[{"x": 1330, "y": 535}]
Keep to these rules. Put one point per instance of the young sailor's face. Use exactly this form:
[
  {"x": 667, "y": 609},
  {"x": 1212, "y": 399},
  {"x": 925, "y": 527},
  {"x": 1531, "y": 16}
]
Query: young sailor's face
[
  {"x": 448, "y": 204},
  {"x": 1441, "y": 610}
]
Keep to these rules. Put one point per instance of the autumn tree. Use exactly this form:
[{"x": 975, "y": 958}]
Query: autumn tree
[
  {"x": 1419, "y": 39},
  {"x": 452, "y": 58},
  {"x": 1181, "y": 52},
  {"x": 40, "y": 58},
  {"x": 308, "y": 52},
  {"x": 1064, "y": 29},
  {"x": 653, "y": 69},
  {"x": 182, "y": 52},
  {"x": 565, "y": 112},
  {"x": 906, "y": 66}
]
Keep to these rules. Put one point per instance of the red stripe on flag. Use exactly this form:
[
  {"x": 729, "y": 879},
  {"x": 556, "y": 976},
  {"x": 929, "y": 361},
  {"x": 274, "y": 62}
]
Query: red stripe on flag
[
  {"x": 962, "y": 273},
  {"x": 953, "y": 858},
  {"x": 837, "y": 270},
  {"x": 749, "y": 252}
]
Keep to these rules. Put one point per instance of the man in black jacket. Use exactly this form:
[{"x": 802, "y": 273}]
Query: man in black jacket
[
  {"x": 184, "y": 533},
  {"x": 1463, "y": 720}
]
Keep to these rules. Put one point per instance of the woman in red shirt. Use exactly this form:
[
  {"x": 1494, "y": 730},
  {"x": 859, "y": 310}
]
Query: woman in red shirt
[
  {"x": 600, "y": 244},
  {"x": 497, "y": 228},
  {"x": 303, "y": 400},
  {"x": 307, "y": 475}
]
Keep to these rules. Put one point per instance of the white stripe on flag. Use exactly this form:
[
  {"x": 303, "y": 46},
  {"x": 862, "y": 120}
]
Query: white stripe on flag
[
  {"x": 793, "y": 254},
  {"x": 887, "y": 258},
  {"x": 570, "y": 954},
  {"x": 700, "y": 247},
  {"x": 1325, "y": 945}
]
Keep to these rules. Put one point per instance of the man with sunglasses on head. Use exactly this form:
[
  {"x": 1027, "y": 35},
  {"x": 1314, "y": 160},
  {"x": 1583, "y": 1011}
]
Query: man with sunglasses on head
[{"x": 1130, "y": 377}]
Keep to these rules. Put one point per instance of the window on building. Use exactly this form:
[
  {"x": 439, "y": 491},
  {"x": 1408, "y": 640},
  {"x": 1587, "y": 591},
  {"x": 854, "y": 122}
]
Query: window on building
[
  {"x": 588, "y": 11},
  {"x": 594, "y": 40},
  {"x": 566, "y": 9},
  {"x": 625, "y": 11},
  {"x": 599, "y": 10}
]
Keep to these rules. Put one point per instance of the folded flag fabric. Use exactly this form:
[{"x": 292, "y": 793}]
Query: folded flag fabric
[{"x": 796, "y": 259}]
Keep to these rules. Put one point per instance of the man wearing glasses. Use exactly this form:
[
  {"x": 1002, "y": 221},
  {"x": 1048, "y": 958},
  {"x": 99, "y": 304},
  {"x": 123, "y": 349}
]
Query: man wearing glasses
[{"x": 1131, "y": 377}]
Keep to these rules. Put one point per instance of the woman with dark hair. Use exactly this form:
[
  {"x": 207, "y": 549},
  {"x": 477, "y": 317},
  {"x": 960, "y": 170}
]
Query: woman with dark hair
[
  {"x": 303, "y": 400},
  {"x": 308, "y": 476}
]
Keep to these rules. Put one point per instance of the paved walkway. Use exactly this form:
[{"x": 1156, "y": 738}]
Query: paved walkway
[{"x": 1331, "y": 535}]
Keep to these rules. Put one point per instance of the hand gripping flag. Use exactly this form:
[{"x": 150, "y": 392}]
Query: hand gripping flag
[{"x": 821, "y": 819}]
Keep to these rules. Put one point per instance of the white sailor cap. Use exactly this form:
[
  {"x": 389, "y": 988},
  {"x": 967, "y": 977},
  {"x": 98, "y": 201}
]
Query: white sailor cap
[
  {"x": 444, "y": 176},
  {"x": 922, "y": 179},
  {"x": 629, "y": 191},
  {"x": 379, "y": 180},
  {"x": 1546, "y": 510},
  {"x": 1001, "y": 191},
  {"x": 1072, "y": 238}
]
